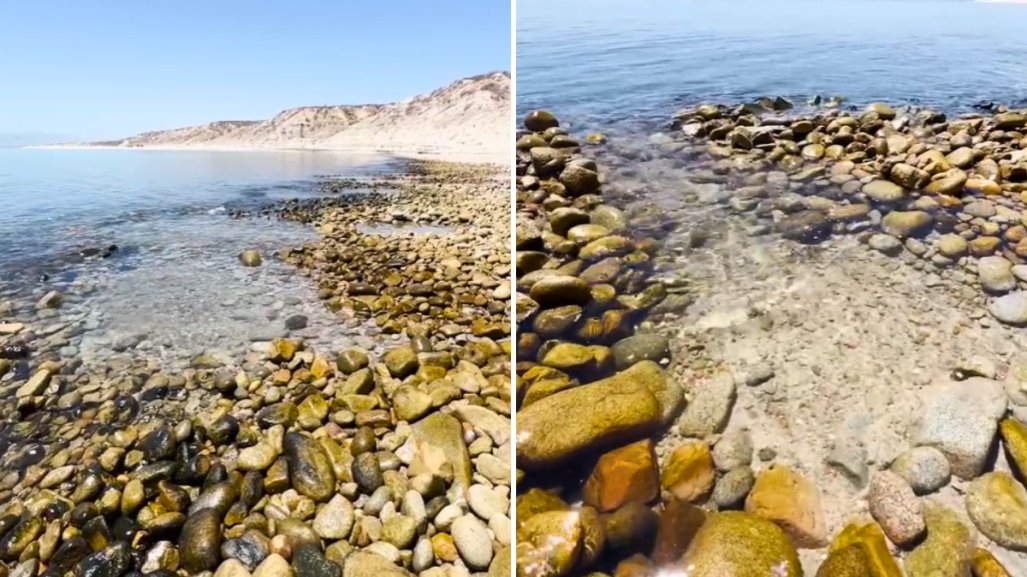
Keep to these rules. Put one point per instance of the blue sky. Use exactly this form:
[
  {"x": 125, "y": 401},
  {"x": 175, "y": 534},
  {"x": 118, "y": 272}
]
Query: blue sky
[{"x": 108, "y": 68}]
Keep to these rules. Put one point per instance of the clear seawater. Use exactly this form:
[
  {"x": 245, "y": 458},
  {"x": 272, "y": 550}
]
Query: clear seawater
[
  {"x": 175, "y": 286},
  {"x": 603, "y": 63}
]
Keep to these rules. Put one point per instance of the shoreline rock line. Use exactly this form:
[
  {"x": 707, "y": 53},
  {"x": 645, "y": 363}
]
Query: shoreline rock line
[{"x": 944, "y": 194}]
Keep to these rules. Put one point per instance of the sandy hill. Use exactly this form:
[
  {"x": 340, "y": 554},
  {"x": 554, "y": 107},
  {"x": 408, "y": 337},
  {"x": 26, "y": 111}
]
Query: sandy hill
[{"x": 467, "y": 120}]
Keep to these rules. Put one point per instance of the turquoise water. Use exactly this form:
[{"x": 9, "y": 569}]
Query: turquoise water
[{"x": 615, "y": 62}]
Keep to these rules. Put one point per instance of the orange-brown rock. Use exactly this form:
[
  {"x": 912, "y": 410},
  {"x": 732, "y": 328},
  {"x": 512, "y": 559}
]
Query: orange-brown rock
[
  {"x": 984, "y": 245},
  {"x": 678, "y": 524},
  {"x": 624, "y": 475},
  {"x": 984, "y": 564},
  {"x": 634, "y": 566},
  {"x": 792, "y": 502},
  {"x": 1015, "y": 233},
  {"x": 689, "y": 472}
]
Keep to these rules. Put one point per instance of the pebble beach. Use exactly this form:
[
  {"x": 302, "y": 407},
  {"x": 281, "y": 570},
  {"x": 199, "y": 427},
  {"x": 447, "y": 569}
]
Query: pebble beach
[
  {"x": 814, "y": 391},
  {"x": 289, "y": 457}
]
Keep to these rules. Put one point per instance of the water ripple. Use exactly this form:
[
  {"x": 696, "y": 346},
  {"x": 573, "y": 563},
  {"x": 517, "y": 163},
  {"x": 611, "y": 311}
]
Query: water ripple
[{"x": 609, "y": 60}]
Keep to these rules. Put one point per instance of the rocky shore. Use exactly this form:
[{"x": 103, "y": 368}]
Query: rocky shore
[
  {"x": 586, "y": 384},
  {"x": 946, "y": 194},
  {"x": 286, "y": 460},
  {"x": 831, "y": 391}
]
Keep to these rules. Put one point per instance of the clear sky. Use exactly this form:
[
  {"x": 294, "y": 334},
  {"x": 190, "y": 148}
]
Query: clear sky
[{"x": 108, "y": 68}]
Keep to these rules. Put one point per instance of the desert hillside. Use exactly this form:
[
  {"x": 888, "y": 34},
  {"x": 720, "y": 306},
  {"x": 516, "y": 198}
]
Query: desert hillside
[{"x": 468, "y": 119}]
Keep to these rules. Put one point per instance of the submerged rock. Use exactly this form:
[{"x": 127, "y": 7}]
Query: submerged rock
[
  {"x": 997, "y": 505},
  {"x": 740, "y": 545},
  {"x": 624, "y": 475},
  {"x": 948, "y": 548},
  {"x": 792, "y": 502},
  {"x": 550, "y": 543},
  {"x": 688, "y": 473},
  {"x": 960, "y": 419},
  {"x": 859, "y": 549},
  {"x": 925, "y": 469},
  {"x": 590, "y": 417},
  {"x": 250, "y": 258},
  {"x": 895, "y": 507}
]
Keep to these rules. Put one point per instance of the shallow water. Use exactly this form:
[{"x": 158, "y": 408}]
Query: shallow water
[
  {"x": 174, "y": 287},
  {"x": 854, "y": 341},
  {"x": 612, "y": 62}
]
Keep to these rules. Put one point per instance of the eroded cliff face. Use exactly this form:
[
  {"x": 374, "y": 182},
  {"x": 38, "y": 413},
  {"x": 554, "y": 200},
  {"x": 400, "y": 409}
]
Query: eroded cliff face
[{"x": 469, "y": 117}]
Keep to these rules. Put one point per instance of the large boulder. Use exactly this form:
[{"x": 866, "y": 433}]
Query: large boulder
[{"x": 589, "y": 418}]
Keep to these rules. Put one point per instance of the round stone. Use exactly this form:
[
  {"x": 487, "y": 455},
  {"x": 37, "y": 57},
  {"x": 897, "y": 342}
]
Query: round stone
[
  {"x": 334, "y": 519},
  {"x": 997, "y": 505},
  {"x": 884, "y": 191},
  {"x": 895, "y": 507},
  {"x": 925, "y": 469},
  {"x": 472, "y": 542},
  {"x": 886, "y": 244},
  {"x": 540, "y": 120},
  {"x": 996, "y": 274},
  {"x": 1010, "y": 308}
]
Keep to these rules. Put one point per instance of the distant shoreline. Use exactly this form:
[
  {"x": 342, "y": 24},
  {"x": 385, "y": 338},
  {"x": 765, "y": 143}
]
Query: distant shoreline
[{"x": 463, "y": 156}]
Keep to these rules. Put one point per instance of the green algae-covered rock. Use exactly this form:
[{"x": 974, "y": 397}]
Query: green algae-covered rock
[
  {"x": 550, "y": 544},
  {"x": 997, "y": 505},
  {"x": 310, "y": 470},
  {"x": 613, "y": 411},
  {"x": 1014, "y": 438},
  {"x": 884, "y": 191},
  {"x": 874, "y": 558},
  {"x": 946, "y": 550},
  {"x": 984, "y": 564},
  {"x": 535, "y": 501},
  {"x": 401, "y": 362},
  {"x": 848, "y": 561},
  {"x": 905, "y": 223},
  {"x": 570, "y": 357},
  {"x": 740, "y": 545},
  {"x": 605, "y": 247}
]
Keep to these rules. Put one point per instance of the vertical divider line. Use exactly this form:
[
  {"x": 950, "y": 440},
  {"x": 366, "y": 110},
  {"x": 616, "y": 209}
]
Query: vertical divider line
[{"x": 513, "y": 291}]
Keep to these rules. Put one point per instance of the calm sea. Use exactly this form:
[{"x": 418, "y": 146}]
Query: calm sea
[
  {"x": 175, "y": 284},
  {"x": 610, "y": 63}
]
